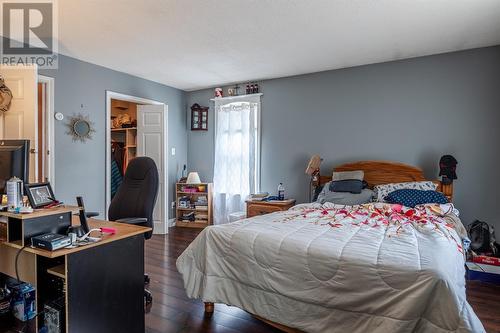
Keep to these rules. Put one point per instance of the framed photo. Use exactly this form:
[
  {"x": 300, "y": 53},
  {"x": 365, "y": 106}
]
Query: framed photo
[{"x": 39, "y": 195}]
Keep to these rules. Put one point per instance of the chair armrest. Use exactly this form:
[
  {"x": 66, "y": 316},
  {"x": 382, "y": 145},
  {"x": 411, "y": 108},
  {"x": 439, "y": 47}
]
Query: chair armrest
[
  {"x": 91, "y": 214},
  {"x": 133, "y": 220}
]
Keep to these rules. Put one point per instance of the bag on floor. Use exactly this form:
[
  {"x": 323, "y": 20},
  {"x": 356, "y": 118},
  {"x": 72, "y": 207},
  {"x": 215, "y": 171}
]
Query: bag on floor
[{"x": 482, "y": 237}]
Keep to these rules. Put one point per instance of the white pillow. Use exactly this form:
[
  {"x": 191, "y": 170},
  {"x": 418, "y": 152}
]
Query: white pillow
[
  {"x": 381, "y": 191},
  {"x": 348, "y": 175}
]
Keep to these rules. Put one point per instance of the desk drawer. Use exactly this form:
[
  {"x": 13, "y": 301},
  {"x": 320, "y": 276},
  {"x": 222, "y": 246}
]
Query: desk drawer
[{"x": 255, "y": 210}]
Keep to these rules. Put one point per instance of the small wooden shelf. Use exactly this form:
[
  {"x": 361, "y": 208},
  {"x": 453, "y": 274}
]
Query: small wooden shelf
[
  {"x": 59, "y": 271},
  {"x": 194, "y": 224},
  {"x": 122, "y": 129},
  {"x": 193, "y": 196},
  {"x": 192, "y": 193}
]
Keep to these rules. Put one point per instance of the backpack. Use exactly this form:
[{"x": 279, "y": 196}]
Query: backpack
[{"x": 482, "y": 237}]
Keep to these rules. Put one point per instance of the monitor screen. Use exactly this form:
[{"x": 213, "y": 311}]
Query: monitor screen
[{"x": 14, "y": 160}]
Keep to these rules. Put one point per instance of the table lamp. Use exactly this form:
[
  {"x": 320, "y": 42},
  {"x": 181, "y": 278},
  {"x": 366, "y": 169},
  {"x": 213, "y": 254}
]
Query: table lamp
[{"x": 193, "y": 178}]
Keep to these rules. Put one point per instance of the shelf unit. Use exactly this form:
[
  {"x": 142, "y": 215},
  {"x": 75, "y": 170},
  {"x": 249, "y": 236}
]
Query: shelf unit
[
  {"x": 127, "y": 136},
  {"x": 203, "y": 216}
]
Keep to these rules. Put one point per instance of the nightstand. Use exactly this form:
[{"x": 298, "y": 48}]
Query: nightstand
[{"x": 255, "y": 208}]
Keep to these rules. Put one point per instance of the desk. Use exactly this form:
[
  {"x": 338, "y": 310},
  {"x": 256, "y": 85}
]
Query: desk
[{"x": 103, "y": 282}]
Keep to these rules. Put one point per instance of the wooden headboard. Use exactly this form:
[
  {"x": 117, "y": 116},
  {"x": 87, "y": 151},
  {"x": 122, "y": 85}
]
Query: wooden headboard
[{"x": 385, "y": 172}]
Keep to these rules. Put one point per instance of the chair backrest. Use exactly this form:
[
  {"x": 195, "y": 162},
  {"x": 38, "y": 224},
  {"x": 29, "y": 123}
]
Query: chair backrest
[{"x": 136, "y": 196}]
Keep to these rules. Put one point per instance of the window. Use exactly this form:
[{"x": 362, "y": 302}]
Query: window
[{"x": 237, "y": 154}]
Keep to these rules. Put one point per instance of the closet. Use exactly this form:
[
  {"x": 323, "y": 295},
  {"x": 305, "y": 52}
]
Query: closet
[
  {"x": 123, "y": 139},
  {"x": 137, "y": 127}
]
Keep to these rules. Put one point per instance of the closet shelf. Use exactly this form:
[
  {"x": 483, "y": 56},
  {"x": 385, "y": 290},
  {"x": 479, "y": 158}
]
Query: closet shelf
[{"x": 123, "y": 129}]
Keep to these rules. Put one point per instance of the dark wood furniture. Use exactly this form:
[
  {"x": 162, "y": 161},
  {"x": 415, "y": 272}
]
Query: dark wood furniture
[
  {"x": 199, "y": 118},
  {"x": 104, "y": 289},
  {"x": 255, "y": 208}
]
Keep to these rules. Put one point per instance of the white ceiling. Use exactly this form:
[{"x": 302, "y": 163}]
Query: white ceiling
[{"x": 193, "y": 44}]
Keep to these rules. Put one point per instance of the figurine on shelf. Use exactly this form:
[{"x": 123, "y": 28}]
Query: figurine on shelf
[{"x": 218, "y": 93}]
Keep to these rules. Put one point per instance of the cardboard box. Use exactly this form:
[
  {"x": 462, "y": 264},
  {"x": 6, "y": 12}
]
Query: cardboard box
[
  {"x": 483, "y": 272},
  {"x": 486, "y": 260},
  {"x": 23, "y": 301}
]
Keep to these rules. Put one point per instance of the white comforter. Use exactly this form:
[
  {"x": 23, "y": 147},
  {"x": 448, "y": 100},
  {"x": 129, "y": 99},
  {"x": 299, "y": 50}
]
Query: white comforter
[{"x": 326, "y": 268}]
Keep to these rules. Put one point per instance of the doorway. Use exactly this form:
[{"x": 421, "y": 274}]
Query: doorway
[
  {"x": 127, "y": 135},
  {"x": 31, "y": 117},
  {"x": 45, "y": 131}
]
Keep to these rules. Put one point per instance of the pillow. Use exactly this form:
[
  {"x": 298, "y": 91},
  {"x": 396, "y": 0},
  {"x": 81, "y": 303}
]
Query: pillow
[
  {"x": 412, "y": 198},
  {"x": 344, "y": 198},
  {"x": 347, "y": 175},
  {"x": 350, "y": 185},
  {"x": 381, "y": 191}
]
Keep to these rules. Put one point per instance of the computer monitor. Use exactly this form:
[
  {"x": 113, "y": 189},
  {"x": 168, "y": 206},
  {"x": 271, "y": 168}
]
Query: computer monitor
[{"x": 14, "y": 161}]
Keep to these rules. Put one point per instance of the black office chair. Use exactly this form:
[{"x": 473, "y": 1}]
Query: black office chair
[{"x": 135, "y": 200}]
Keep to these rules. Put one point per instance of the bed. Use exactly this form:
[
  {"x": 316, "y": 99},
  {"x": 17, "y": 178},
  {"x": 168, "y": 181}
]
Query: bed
[{"x": 329, "y": 268}]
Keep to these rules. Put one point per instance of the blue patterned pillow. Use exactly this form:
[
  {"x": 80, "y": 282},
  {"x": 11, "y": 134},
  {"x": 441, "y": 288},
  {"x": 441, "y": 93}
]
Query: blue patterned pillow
[{"x": 412, "y": 198}]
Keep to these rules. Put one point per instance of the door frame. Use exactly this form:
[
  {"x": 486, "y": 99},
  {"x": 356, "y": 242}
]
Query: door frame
[
  {"x": 50, "y": 125},
  {"x": 158, "y": 229}
]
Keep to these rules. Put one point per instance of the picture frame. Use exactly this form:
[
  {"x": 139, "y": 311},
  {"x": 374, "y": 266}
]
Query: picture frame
[{"x": 39, "y": 194}]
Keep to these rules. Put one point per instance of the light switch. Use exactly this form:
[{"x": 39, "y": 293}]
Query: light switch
[{"x": 173, "y": 151}]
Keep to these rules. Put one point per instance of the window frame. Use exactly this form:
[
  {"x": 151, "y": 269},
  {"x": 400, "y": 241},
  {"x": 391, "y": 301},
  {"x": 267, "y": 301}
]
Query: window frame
[{"x": 252, "y": 98}]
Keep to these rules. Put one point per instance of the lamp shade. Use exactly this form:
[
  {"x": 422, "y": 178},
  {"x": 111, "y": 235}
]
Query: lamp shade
[
  {"x": 313, "y": 165},
  {"x": 193, "y": 178}
]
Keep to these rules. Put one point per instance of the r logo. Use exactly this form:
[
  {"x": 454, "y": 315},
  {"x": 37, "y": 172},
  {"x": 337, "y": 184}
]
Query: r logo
[{"x": 28, "y": 26}]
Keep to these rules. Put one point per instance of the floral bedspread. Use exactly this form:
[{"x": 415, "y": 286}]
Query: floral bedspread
[{"x": 328, "y": 268}]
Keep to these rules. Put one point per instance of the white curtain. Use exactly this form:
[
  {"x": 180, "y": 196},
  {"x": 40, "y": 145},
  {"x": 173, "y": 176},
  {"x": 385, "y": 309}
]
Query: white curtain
[{"x": 236, "y": 149}]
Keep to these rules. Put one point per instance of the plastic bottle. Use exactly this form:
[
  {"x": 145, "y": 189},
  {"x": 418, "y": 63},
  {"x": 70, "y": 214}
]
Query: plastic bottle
[{"x": 281, "y": 192}]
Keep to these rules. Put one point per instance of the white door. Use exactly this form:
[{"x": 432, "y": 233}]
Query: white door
[
  {"x": 20, "y": 122},
  {"x": 152, "y": 142}
]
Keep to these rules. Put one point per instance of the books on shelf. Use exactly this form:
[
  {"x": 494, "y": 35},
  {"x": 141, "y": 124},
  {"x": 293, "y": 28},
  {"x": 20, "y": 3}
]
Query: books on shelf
[{"x": 193, "y": 203}]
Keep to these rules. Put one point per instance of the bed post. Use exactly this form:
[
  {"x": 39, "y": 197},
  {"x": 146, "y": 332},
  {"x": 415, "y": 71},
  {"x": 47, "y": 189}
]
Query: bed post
[{"x": 209, "y": 307}]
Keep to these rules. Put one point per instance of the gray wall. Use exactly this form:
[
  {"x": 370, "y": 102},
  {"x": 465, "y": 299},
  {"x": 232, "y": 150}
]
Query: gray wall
[
  {"x": 80, "y": 167},
  {"x": 411, "y": 111}
]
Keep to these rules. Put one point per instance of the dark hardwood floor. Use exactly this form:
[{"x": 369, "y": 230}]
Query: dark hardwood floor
[{"x": 173, "y": 311}]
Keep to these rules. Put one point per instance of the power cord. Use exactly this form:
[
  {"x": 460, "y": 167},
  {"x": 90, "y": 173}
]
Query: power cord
[{"x": 17, "y": 262}]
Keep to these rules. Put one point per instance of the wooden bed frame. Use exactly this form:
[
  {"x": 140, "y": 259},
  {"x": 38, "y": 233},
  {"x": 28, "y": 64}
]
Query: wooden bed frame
[
  {"x": 376, "y": 173},
  {"x": 385, "y": 172}
]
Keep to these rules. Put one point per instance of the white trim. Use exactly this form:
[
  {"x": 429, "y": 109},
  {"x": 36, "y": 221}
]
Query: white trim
[
  {"x": 49, "y": 114},
  {"x": 228, "y": 98},
  {"x": 162, "y": 227}
]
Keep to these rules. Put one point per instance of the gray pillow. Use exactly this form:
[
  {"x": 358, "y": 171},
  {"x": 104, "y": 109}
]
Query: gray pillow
[
  {"x": 345, "y": 198},
  {"x": 349, "y": 185}
]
